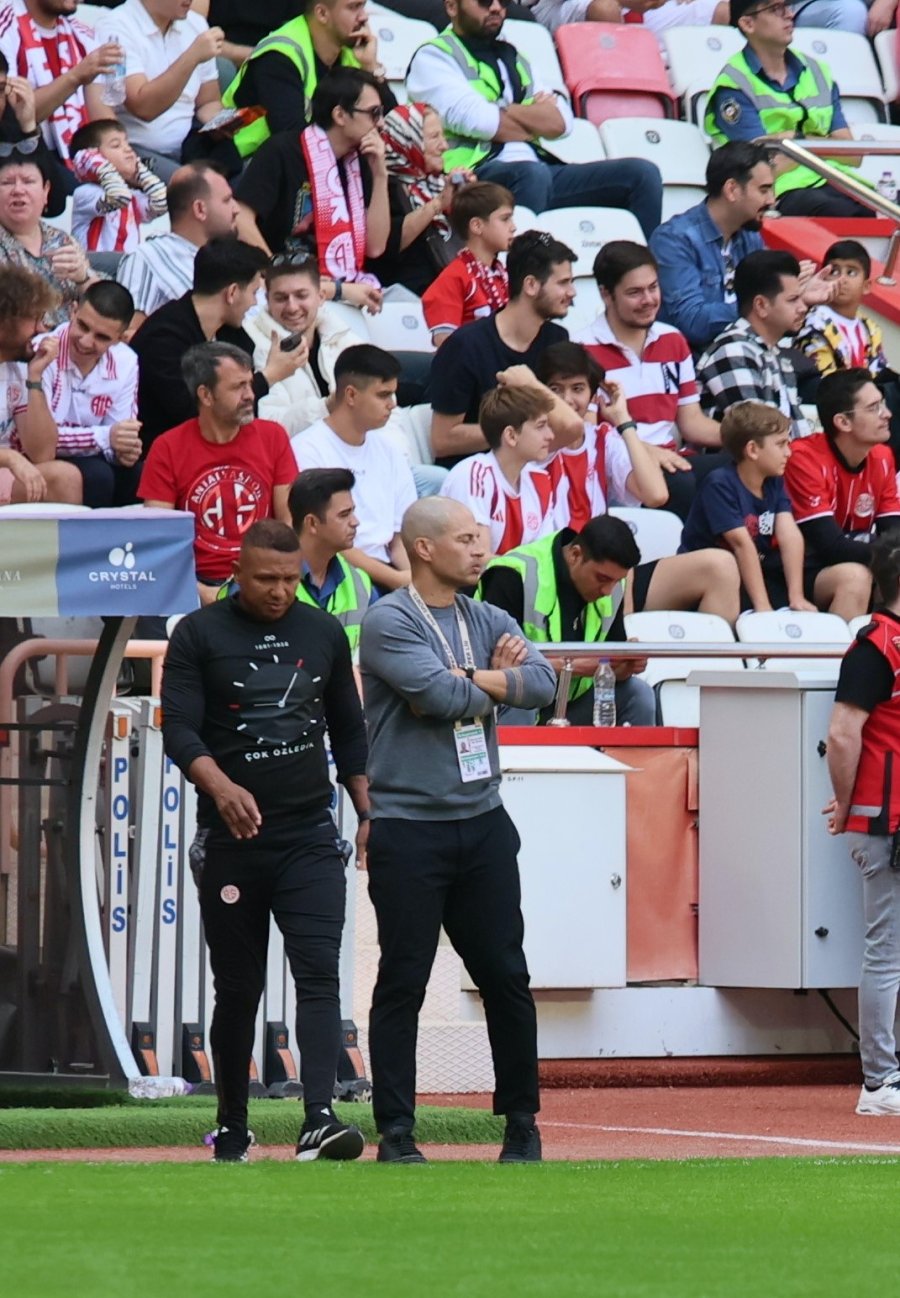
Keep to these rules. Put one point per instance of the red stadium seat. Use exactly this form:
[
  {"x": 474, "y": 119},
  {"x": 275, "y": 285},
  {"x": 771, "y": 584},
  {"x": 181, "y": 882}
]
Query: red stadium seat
[{"x": 614, "y": 71}]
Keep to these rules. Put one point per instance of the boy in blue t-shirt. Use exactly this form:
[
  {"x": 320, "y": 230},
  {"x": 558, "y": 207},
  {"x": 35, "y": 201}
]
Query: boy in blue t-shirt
[{"x": 744, "y": 508}]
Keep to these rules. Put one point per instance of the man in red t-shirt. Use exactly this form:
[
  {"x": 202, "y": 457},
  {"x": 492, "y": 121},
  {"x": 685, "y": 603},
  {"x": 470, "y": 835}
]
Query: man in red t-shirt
[
  {"x": 227, "y": 468},
  {"x": 843, "y": 489}
]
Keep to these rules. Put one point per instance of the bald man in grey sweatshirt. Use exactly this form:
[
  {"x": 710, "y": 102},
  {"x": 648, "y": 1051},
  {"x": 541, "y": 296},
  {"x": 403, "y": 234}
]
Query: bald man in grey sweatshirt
[{"x": 442, "y": 849}]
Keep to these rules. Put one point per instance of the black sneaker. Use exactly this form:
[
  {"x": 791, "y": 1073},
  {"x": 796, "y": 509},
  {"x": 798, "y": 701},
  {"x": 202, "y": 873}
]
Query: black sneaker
[
  {"x": 398, "y": 1146},
  {"x": 522, "y": 1141},
  {"x": 323, "y": 1135},
  {"x": 230, "y": 1146}
]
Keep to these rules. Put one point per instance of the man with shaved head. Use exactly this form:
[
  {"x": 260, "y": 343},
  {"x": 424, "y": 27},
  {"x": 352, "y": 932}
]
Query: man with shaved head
[{"x": 442, "y": 850}]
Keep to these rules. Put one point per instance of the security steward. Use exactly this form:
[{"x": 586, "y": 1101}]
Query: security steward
[
  {"x": 571, "y": 586},
  {"x": 285, "y": 68},
  {"x": 770, "y": 89},
  {"x": 863, "y": 747}
]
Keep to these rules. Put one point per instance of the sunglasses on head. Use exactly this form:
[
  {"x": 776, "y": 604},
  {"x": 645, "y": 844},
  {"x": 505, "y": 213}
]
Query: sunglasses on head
[
  {"x": 298, "y": 258},
  {"x": 9, "y": 149}
]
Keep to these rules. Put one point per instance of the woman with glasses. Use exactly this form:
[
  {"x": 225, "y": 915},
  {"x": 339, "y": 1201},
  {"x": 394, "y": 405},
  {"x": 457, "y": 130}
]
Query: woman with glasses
[
  {"x": 26, "y": 240},
  {"x": 325, "y": 188},
  {"x": 420, "y": 195}
]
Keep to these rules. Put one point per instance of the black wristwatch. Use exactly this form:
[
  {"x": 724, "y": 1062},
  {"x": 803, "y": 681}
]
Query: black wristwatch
[
  {"x": 338, "y": 290},
  {"x": 363, "y": 815},
  {"x": 629, "y": 423},
  {"x": 470, "y": 672}
]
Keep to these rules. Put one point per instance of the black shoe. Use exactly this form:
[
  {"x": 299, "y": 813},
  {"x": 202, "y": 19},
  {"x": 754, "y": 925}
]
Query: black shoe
[
  {"x": 522, "y": 1141},
  {"x": 324, "y": 1136},
  {"x": 230, "y": 1146},
  {"x": 398, "y": 1146}
]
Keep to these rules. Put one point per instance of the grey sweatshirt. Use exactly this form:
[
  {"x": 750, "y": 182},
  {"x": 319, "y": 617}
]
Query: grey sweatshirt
[{"x": 412, "y": 701}]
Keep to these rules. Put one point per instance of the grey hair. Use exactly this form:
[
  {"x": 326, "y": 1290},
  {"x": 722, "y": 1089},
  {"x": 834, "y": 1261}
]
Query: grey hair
[{"x": 200, "y": 364}]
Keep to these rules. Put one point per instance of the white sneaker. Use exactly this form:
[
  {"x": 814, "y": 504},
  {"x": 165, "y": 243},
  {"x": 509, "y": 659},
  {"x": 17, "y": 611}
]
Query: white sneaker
[{"x": 885, "y": 1102}]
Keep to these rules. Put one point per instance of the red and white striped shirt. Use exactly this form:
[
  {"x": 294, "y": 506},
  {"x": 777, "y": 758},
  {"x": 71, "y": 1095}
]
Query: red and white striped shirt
[
  {"x": 99, "y": 230},
  {"x": 593, "y": 476},
  {"x": 85, "y": 406},
  {"x": 513, "y": 517},
  {"x": 655, "y": 383}
]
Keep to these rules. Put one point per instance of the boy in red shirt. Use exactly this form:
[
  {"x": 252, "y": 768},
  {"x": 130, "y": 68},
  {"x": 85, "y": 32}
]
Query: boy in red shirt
[{"x": 474, "y": 284}]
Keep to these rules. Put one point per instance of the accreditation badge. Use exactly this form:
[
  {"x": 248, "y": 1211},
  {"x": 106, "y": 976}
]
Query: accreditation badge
[{"x": 472, "y": 751}]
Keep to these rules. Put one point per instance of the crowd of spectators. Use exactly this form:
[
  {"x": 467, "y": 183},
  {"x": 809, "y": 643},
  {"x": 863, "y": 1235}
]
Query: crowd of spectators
[{"x": 206, "y": 366}]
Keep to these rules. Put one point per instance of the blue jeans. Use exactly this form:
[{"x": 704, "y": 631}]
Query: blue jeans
[
  {"x": 632, "y": 183},
  {"x": 842, "y": 15}
]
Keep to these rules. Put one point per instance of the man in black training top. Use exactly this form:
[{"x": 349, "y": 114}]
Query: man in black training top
[{"x": 250, "y": 684}]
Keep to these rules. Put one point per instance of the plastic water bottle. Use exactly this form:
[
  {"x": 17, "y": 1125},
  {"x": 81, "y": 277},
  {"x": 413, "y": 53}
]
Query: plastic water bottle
[
  {"x": 113, "y": 92},
  {"x": 157, "y": 1088},
  {"x": 887, "y": 186},
  {"x": 604, "y": 694}
]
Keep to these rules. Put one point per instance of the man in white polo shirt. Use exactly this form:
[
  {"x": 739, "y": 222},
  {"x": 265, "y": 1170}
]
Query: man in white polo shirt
[
  {"x": 170, "y": 75},
  {"x": 91, "y": 389},
  {"x": 365, "y": 380},
  {"x": 201, "y": 207}
]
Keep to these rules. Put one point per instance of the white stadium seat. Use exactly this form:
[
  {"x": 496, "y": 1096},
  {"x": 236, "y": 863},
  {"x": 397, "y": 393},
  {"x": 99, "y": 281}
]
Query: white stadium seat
[
  {"x": 524, "y": 219},
  {"x": 398, "y": 40},
  {"x": 851, "y": 62},
  {"x": 679, "y": 149},
  {"x": 886, "y": 52},
  {"x": 657, "y": 531},
  {"x": 857, "y": 623},
  {"x": 536, "y": 43},
  {"x": 696, "y": 56},
  {"x": 588, "y": 303},
  {"x": 587, "y": 229},
  {"x": 784, "y": 625},
  {"x": 64, "y": 220},
  {"x": 678, "y": 703},
  {"x": 400, "y": 327},
  {"x": 582, "y": 144}
]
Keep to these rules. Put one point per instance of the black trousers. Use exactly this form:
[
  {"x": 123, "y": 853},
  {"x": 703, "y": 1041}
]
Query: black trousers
[
  {"x": 462, "y": 874},
  {"x": 298, "y": 878},
  {"x": 822, "y": 200},
  {"x": 105, "y": 485}
]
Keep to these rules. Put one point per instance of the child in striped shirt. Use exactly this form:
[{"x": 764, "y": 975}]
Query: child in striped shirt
[{"x": 117, "y": 194}]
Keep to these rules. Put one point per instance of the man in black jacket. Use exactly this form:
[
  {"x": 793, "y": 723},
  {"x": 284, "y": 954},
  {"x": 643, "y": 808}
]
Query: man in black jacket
[{"x": 251, "y": 683}]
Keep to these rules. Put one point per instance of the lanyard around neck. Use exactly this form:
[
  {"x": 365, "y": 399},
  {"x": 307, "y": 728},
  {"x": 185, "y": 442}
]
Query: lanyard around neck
[{"x": 445, "y": 644}]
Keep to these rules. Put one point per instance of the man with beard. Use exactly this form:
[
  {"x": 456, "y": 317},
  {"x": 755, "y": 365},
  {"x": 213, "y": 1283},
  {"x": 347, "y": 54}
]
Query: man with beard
[
  {"x": 28, "y": 435},
  {"x": 250, "y": 686},
  {"x": 498, "y": 118},
  {"x": 227, "y": 468},
  {"x": 468, "y": 364}
]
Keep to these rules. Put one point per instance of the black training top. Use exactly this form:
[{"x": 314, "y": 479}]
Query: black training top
[{"x": 257, "y": 697}]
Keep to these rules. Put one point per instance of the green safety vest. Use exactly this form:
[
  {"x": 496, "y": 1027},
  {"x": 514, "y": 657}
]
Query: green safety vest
[
  {"x": 294, "y": 41},
  {"x": 465, "y": 152},
  {"x": 779, "y": 112},
  {"x": 348, "y": 601},
  {"x": 541, "y": 615}
]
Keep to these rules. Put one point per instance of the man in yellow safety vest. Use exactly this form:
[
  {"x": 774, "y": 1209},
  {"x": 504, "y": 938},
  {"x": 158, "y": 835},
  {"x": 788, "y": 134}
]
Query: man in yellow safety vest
[{"x": 768, "y": 89}]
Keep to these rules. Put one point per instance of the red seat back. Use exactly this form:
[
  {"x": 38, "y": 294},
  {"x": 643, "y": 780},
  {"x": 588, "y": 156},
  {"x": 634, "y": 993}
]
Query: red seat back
[{"x": 621, "y": 62}]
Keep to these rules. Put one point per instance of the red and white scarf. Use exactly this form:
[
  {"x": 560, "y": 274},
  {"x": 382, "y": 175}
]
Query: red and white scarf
[
  {"x": 339, "y": 217},
  {"x": 493, "y": 279},
  {"x": 43, "y": 58}
]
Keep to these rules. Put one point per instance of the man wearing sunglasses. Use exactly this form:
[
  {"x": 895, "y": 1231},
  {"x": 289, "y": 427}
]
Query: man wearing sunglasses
[
  {"x": 770, "y": 89},
  {"x": 497, "y": 118}
]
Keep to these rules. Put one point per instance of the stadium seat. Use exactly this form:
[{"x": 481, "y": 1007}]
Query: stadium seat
[
  {"x": 785, "y": 625},
  {"x": 400, "y": 327},
  {"x": 679, "y": 150},
  {"x": 64, "y": 220},
  {"x": 678, "y": 704},
  {"x": 536, "y": 43},
  {"x": 850, "y": 59},
  {"x": 657, "y": 531},
  {"x": 696, "y": 56},
  {"x": 873, "y": 166},
  {"x": 524, "y": 219},
  {"x": 587, "y": 306},
  {"x": 351, "y": 317},
  {"x": 587, "y": 229},
  {"x": 886, "y": 53},
  {"x": 398, "y": 40},
  {"x": 614, "y": 71},
  {"x": 857, "y": 623},
  {"x": 582, "y": 144}
]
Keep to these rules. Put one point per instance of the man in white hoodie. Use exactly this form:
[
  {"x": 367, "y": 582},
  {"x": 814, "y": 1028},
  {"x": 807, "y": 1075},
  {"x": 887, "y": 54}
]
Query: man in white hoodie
[{"x": 295, "y": 310}]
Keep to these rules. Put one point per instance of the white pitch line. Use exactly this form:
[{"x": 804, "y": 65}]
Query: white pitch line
[{"x": 730, "y": 1135}]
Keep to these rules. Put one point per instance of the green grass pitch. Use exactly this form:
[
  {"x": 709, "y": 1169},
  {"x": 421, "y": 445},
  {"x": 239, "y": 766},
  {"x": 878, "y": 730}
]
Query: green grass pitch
[{"x": 763, "y": 1228}]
